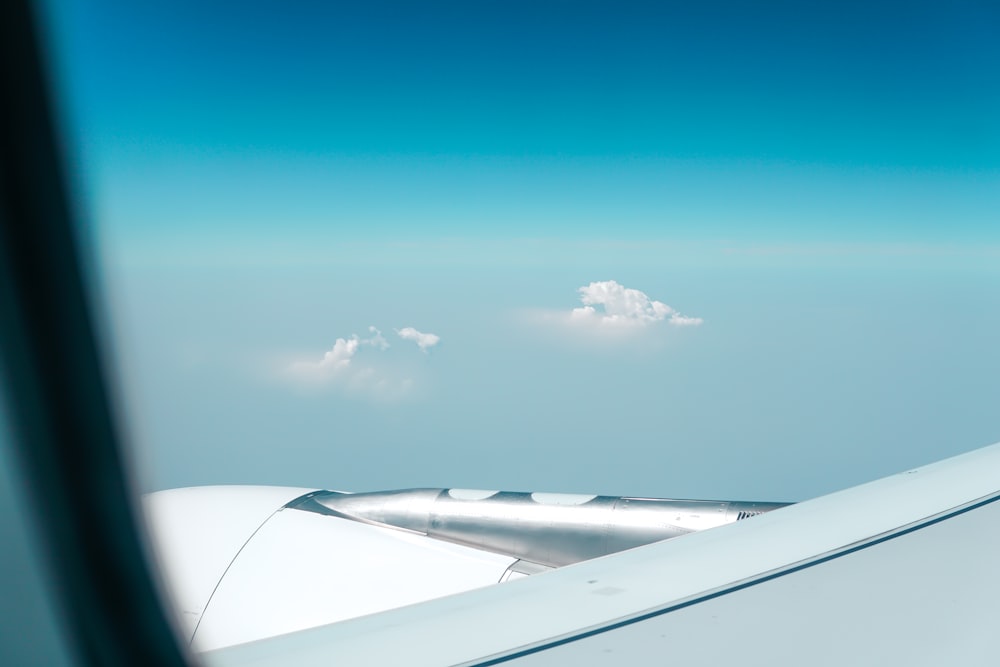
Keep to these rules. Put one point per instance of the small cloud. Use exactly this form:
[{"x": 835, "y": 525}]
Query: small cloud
[
  {"x": 610, "y": 304},
  {"x": 423, "y": 340},
  {"x": 378, "y": 340},
  {"x": 346, "y": 366},
  {"x": 340, "y": 356}
]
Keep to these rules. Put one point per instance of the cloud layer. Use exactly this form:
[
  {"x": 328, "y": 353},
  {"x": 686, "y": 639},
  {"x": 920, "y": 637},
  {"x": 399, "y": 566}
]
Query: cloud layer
[{"x": 609, "y": 304}]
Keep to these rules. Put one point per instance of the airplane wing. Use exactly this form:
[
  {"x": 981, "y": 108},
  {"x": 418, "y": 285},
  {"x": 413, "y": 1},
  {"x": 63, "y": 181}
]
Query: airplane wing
[
  {"x": 902, "y": 570},
  {"x": 226, "y": 550}
]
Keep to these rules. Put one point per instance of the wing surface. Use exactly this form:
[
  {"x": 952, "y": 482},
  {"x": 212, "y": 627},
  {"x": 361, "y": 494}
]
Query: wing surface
[{"x": 901, "y": 570}]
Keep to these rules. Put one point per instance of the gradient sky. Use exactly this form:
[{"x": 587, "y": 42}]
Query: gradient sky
[{"x": 819, "y": 183}]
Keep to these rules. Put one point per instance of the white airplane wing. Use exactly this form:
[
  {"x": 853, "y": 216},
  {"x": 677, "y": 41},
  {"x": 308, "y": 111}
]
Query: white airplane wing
[
  {"x": 249, "y": 562},
  {"x": 903, "y": 570}
]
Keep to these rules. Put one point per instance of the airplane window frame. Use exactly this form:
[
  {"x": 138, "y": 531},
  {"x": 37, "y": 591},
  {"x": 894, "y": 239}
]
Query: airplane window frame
[{"x": 62, "y": 424}]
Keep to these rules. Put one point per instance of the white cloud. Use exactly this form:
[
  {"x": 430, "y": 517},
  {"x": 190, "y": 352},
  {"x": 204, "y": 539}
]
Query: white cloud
[
  {"x": 423, "y": 340},
  {"x": 378, "y": 340},
  {"x": 340, "y": 356},
  {"x": 610, "y": 304},
  {"x": 679, "y": 320},
  {"x": 348, "y": 366}
]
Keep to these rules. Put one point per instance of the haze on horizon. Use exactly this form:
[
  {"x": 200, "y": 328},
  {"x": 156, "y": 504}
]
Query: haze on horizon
[{"x": 288, "y": 203}]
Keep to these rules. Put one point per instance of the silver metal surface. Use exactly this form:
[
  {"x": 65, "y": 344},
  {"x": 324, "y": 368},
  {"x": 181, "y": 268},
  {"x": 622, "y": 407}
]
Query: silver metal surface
[{"x": 545, "y": 528}]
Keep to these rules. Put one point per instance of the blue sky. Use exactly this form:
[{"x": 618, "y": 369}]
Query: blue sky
[{"x": 820, "y": 184}]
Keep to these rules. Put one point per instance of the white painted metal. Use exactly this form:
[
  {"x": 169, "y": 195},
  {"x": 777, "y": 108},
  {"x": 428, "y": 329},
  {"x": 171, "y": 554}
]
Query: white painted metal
[
  {"x": 496, "y": 623},
  {"x": 471, "y": 494},
  {"x": 924, "y": 599},
  {"x": 303, "y": 570},
  {"x": 246, "y": 563},
  {"x": 196, "y": 533},
  {"x": 561, "y": 498}
]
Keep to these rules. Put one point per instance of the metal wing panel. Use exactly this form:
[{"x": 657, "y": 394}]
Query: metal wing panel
[
  {"x": 197, "y": 532},
  {"x": 924, "y": 598},
  {"x": 615, "y": 597},
  {"x": 303, "y": 570}
]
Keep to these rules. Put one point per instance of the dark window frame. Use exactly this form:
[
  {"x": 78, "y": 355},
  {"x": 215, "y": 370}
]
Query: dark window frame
[{"x": 61, "y": 414}]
